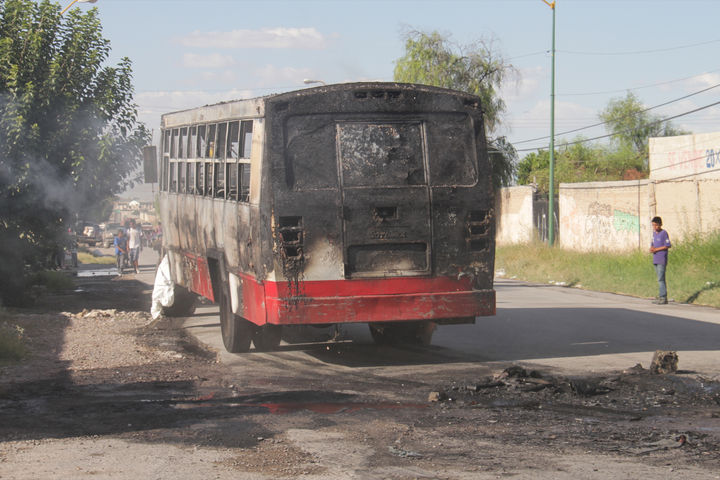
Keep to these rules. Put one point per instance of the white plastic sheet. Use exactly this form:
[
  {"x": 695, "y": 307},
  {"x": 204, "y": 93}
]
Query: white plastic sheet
[{"x": 163, "y": 294}]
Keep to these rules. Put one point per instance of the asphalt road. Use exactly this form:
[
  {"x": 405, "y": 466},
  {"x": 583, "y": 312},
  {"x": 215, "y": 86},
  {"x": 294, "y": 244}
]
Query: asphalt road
[
  {"x": 567, "y": 329},
  {"x": 350, "y": 409}
]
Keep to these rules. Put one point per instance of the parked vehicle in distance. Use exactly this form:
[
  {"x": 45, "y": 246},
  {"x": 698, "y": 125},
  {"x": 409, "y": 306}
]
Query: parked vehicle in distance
[
  {"x": 90, "y": 234},
  {"x": 109, "y": 233}
]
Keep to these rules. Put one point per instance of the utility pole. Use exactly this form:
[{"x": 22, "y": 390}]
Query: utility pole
[
  {"x": 551, "y": 186},
  {"x": 74, "y": 2}
]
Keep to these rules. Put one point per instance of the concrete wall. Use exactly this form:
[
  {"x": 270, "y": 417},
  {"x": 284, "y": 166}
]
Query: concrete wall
[
  {"x": 688, "y": 207},
  {"x": 604, "y": 216},
  {"x": 514, "y": 206},
  {"x": 615, "y": 216},
  {"x": 683, "y": 189},
  {"x": 684, "y": 156}
]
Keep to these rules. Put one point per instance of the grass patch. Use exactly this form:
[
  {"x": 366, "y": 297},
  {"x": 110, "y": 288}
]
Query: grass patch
[
  {"x": 693, "y": 273},
  {"x": 88, "y": 258},
  {"x": 54, "y": 280},
  {"x": 12, "y": 346}
]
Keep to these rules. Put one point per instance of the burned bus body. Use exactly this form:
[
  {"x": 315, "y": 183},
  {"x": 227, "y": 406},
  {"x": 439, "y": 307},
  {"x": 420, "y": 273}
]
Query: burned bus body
[{"x": 367, "y": 202}]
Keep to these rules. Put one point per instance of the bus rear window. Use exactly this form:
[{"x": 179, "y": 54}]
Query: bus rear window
[
  {"x": 451, "y": 150},
  {"x": 310, "y": 154},
  {"x": 381, "y": 154},
  {"x": 437, "y": 149}
]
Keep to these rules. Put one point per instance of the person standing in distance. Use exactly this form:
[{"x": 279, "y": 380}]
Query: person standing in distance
[
  {"x": 134, "y": 237},
  {"x": 120, "y": 244},
  {"x": 659, "y": 248}
]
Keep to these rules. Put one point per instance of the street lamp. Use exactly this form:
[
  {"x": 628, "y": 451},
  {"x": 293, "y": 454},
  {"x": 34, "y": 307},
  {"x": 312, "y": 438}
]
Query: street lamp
[
  {"x": 551, "y": 193},
  {"x": 308, "y": 81},
  {"x": 74, "y": 2}
]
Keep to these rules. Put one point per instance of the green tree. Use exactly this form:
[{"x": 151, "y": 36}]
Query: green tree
[
  {"x": 433, "y": 59},
  {"x": 69, "y": 135},
  {"x": 578, "y": 162},
  {"x": 632, "y": 125}
]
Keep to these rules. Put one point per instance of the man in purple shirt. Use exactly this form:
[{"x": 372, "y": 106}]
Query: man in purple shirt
[{"x": 659, "y": 248}]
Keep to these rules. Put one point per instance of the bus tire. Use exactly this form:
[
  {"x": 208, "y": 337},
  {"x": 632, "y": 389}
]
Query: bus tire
[
  {"x": 236, "y": 331},
  {"x": 267, "y": 337},
  {"x": 393, "y": 333},
  {"x": 183, "y": 305}
]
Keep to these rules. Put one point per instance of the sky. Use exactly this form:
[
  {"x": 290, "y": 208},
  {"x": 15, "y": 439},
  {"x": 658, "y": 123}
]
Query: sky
[{"x": 189, "y": 53}]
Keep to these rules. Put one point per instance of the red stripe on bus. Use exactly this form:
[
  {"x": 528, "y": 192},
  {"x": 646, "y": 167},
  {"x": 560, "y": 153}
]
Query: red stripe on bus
[
  {"x": 374, "y": 286},
  {"x": 348, "y": 301},
  {"x": 200, "y": 277},
  {"x": 381, "y": 308}
]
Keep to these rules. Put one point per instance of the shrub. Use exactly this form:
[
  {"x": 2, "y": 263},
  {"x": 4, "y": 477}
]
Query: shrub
[{"x": 12, "y": 346}]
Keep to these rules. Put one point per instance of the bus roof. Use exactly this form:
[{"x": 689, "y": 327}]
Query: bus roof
[{"x": 255, "y": 107}]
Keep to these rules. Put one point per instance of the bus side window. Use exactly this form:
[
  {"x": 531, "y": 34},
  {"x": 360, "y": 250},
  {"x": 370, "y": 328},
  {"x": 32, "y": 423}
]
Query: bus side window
[
  {"x": 244, "y": 189},
  {"x": 165, "y": 168},
  {"x": 192, "y": 143},
  {"x": 174, "y": 144},
  {"x": 191, "y": 178},
  {"x": 208, "y": 179},
  {"x": 210, "y": 146},
  {"x": 219, "y": 177},
  {"x": 246, "y": 138},
  {"x": 233, "y": 144},
  {"x": 200, "y": 179},
  {"x": 165, "y": 160},
  {"x": 181, "y": 180},
  {"x": 182, "y": 143},
  {"x": 173, "y": 177},
  {"x": 201, "y": 141},
  {"x": 232, "y": 178},
  {"x": 166, "y": 143},
  {"x": 220, "y": 146}
]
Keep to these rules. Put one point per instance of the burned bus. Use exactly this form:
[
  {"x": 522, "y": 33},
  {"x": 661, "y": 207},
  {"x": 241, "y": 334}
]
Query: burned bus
[{"x": 363, "y": 202}]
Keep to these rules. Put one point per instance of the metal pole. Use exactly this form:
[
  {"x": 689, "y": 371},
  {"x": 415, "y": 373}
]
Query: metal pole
[
  {"x": 551, "y": 199},
  {"x": 74, "y": 2}
]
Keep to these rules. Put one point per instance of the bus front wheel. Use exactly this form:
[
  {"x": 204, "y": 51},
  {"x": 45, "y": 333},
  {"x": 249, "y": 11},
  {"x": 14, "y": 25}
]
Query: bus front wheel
[{"x": 236, "y": 331}]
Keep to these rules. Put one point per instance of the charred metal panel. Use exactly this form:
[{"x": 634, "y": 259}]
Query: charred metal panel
[
  {"x": 455, "y": 218},
  {"x": 408, "y": 165},
  {"x": 376, "y": 220},
  {"x": 251, "y": 108}
]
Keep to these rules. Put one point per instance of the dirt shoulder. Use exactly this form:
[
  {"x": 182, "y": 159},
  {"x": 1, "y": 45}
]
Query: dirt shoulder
[{"x": 107, "y": 392}]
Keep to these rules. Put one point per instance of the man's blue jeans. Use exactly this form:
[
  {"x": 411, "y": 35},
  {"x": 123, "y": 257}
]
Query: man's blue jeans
[{"x": 660, "y": 270}]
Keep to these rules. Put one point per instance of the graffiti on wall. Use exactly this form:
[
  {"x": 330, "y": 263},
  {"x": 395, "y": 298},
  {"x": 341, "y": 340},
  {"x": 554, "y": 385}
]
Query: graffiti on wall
[
  {"x": 686, "y": 160},
  {"x": 626, "y": 222},
  {"x": 598, "y": 220},
  {"x": 599, "y": 226},
  {"x": 712, "y": 158}
]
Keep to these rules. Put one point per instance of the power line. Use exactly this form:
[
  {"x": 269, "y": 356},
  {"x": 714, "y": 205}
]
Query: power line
[
  {"x": 642, "y": 111},
  {"x": 603, "y": 123},
  {"x": 641, "y": 52},
  {"x": 580, "y": 186},
  {"x": 632, "y": 52},
  {"x": 585, "y": 140},
  {"x": 638, "y": 88}
]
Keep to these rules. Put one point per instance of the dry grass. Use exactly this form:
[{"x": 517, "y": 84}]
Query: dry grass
[{"x": 693, "y": 274}]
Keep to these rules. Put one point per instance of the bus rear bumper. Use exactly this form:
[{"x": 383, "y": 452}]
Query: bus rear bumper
[{"x": 435, "y": 306}]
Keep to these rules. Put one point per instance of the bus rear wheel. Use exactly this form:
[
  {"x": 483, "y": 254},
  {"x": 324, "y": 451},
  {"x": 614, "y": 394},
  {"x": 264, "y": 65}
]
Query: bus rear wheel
[
  {"x": 236, "y": 331},
  {"x": 267, "y": 337},
  {"x": 393, "y": 333}
]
